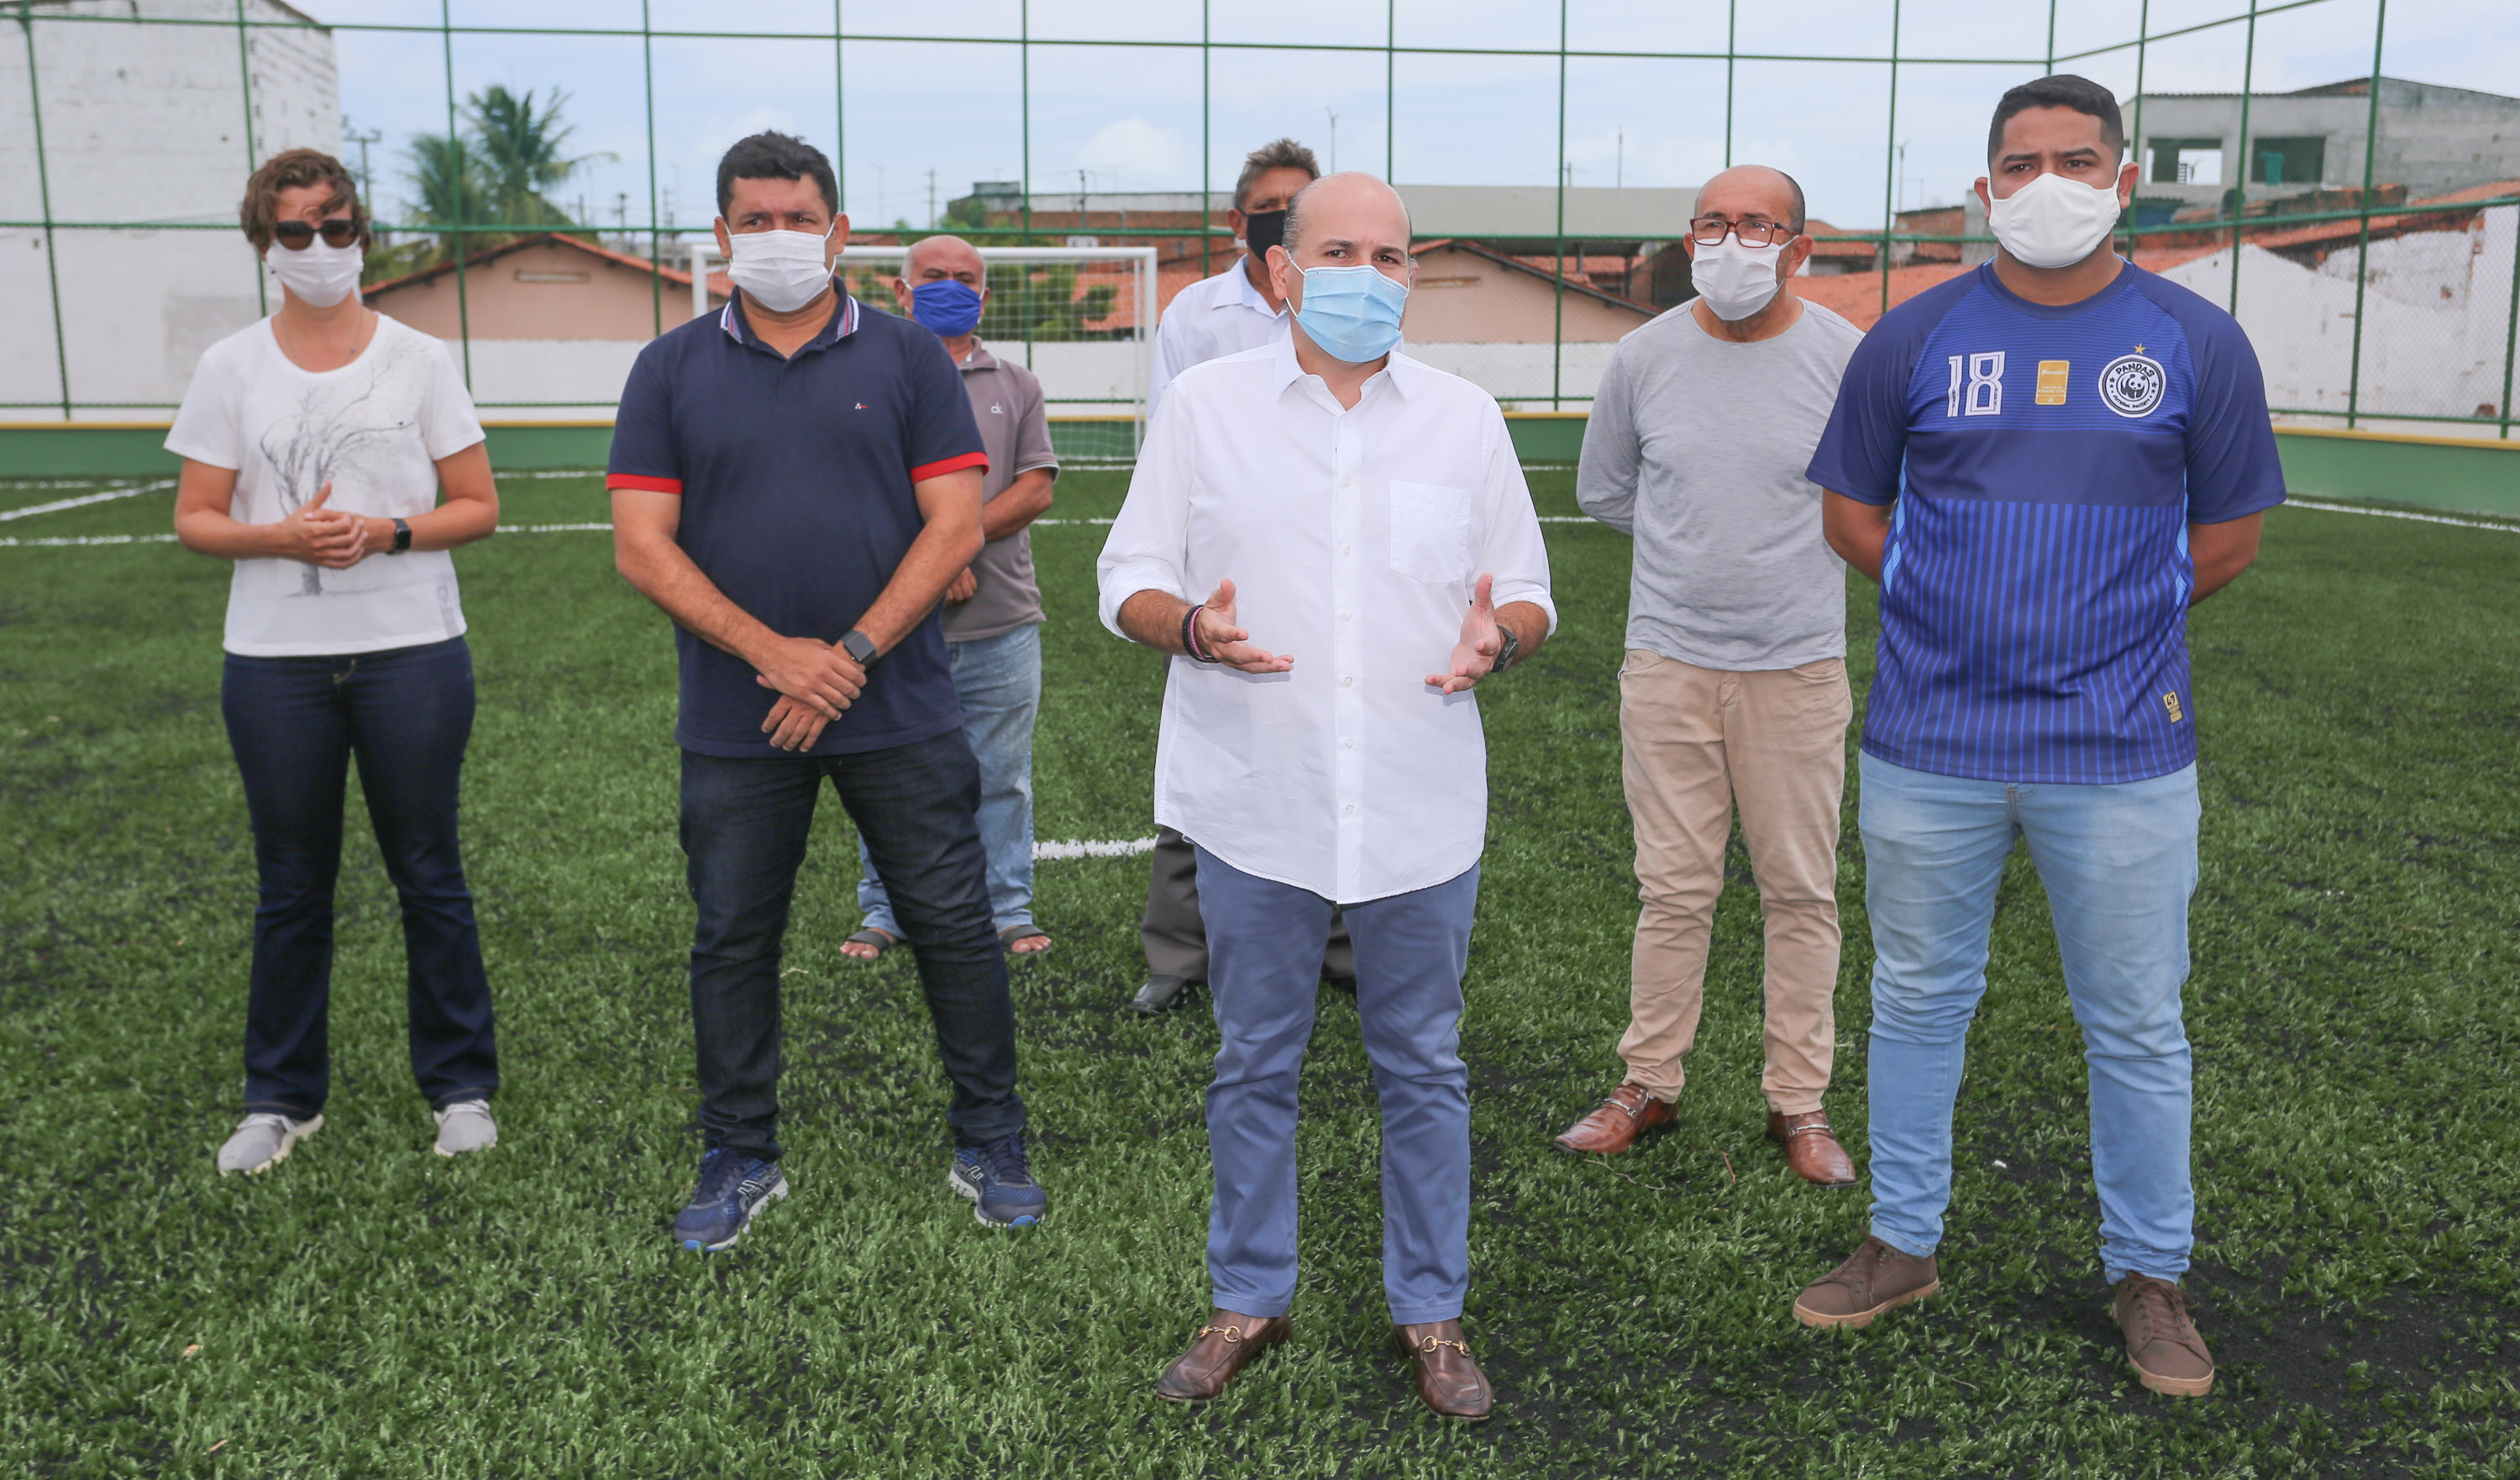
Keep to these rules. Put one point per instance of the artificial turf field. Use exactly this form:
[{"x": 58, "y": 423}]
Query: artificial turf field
[{"x": 368, "y": 1309}]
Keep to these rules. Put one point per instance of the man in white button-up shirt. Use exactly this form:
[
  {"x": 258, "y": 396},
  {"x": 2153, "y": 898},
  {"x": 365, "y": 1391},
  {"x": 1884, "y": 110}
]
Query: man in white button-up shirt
[{"x": 1355, "y": 531}]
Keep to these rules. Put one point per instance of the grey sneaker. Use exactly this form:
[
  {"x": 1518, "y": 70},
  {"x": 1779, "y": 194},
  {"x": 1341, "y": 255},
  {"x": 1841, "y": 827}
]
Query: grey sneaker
[
  {"x": 465, "y": 1126},
  {"x": 262, "y": 1141}
]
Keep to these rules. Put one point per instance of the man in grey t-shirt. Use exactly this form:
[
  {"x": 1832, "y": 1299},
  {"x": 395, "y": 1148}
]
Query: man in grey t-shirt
[
  {"x": 993, "y": 609},
  {"x": 1734, "y": 690}
]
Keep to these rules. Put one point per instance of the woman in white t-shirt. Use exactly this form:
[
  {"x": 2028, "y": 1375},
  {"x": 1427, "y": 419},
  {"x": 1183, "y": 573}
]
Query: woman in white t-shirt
[{"x": 315, "y": 446}]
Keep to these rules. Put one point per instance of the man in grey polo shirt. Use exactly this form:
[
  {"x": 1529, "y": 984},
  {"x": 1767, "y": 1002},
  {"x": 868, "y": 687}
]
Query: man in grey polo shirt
[
  {"x": 1733, "y": 692},
  {"x": 993, "y": 609}
]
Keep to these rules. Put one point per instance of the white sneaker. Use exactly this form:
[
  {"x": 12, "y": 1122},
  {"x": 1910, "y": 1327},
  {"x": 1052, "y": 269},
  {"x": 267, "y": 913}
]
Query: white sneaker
[
  {"x": 465, "y": 1126},
  {"x": 262, "y": 1141}
]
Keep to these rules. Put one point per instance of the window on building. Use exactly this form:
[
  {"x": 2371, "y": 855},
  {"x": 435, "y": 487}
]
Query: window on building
[
  {"x": 2287, "y": 161},
  {"x": 2184, "y": 162}
]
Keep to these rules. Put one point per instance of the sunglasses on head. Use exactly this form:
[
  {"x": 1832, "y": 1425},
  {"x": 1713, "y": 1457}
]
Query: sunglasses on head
[{"x": 297, "y": 236}]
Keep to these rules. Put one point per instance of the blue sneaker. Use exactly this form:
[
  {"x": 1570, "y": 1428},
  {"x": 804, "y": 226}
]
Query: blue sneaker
[
  {"x": 999, "y": 1182},
  {"x": 733, "y": 1189}
]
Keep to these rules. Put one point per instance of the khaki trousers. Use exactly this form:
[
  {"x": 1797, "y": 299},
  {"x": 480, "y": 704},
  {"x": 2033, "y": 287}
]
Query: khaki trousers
[{"x": 1697, "y": 743}]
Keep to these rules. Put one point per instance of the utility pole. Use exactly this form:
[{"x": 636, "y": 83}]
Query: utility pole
[
  {"x": 931, "y": 198},
  {"x": 1325, "y": 108},
  {"x": 1619, "y": 174},
  {"x": 367, "y": 182}
]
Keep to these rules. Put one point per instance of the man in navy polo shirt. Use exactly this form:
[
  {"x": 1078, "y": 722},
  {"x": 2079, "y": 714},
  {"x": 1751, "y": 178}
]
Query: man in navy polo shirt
[
  {"x": 795, "y": 481},
  {"x": 2045, "y": 462}
]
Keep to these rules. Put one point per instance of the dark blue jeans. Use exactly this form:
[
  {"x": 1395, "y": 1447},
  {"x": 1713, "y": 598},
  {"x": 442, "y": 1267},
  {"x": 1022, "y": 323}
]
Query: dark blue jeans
[
  {"x": 744, "y": 826},
  {"x": 295, "y": 723}
]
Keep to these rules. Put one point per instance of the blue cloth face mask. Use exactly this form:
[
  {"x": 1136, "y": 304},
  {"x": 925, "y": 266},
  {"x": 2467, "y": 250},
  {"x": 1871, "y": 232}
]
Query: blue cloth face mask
[
  {"x": 948, "y": 308},
  {"x": 1353, "y": 313}
]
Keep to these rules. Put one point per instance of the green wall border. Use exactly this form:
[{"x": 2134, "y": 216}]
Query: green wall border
[{"x": 2428, "y": 472}]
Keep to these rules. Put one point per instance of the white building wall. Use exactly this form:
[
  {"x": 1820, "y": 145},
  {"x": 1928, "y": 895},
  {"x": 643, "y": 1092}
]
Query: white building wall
[
  {"x": 143, "y": 123},
  {"x": 2436, "y": 315}
]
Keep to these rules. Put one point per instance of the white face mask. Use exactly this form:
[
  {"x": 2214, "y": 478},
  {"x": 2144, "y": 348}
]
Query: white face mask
[
  {"x": 781, "y": 270},
  {"x": 2053, "y": 221},
  {"x": 1734, "y": 279},
  {"x": 318, "y": 276}
]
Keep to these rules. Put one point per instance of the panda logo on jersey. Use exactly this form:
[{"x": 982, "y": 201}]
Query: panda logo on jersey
[{"x": 2132, "y": 384}]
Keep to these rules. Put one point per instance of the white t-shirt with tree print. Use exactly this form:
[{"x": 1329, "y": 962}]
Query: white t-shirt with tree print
[{"x": 375, "y": 429}]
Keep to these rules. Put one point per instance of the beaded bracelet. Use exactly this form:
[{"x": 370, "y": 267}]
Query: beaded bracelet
[{"x": 1189, "y": 636}]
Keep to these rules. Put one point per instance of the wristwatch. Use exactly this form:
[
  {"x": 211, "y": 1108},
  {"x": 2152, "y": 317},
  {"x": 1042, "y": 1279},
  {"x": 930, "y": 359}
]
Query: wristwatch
[
  {"x": 402, "y": 537},
  {"x": 1508, "y": 650},
  {"x": 857, "y": 645}
]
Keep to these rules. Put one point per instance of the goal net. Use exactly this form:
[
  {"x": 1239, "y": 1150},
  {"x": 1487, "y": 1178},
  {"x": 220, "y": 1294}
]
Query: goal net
[{"x": 1081, "y": 318}]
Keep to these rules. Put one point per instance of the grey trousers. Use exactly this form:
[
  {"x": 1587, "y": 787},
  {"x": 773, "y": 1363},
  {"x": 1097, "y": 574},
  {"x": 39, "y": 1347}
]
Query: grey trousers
[{"x": 1174, "y": 935}]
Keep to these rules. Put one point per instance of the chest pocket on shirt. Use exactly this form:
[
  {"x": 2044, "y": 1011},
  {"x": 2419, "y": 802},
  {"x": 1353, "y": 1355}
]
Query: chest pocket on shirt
[{"x": 1430, "y": 531}]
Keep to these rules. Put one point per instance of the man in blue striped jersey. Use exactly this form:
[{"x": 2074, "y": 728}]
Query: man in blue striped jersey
[{"x": 2045, "y": 462}]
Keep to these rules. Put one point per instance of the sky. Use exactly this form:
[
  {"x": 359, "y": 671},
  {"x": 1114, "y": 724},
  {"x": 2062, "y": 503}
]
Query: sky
[{"x": 925, "y": 117}]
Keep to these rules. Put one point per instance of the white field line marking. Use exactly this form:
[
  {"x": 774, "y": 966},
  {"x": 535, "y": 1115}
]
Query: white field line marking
[
  {"x": 91, "y": 539},
  {"x": 105, "y": 497},
  {"x": 2392, "y": 513},
  {"x": 1121, "y": 848}
]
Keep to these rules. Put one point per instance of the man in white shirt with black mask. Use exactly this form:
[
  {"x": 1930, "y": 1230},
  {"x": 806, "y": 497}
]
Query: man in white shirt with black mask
[{"x": 1335, "y": 544}]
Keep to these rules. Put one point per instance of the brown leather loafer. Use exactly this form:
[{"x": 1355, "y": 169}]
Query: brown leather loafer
[
  {"x": 1812, "y": 1149},
  {"x": 1226, "y": 1345},
  {"x": 1617, "y": 1123},
  {"x": 2161, "y": 1338},
  {"x": 1449, "y": 1382},
  {"x": 1875, "y": 1277}
]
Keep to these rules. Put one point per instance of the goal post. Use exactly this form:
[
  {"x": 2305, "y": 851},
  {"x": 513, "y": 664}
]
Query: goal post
[{"x": 1080, "y": 318}]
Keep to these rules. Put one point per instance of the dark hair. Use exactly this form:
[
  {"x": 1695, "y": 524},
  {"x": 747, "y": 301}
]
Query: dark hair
[
  {"x": 773, "y": 155},
  {"x": 291, "y": 169},
  {"x": 1794, "y": 188},
  {"x": 2063, "y": 90},
  {"x": 1277, "y": 154}
]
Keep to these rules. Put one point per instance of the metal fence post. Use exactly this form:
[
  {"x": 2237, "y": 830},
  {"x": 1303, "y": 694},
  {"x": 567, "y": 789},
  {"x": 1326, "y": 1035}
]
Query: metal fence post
[
  {"x": 839, "y": 117},
  {"x": 2240, "y": 187},
  {"x": 463, "y": 210},
  {"x": 252, "y": 160},
  {"x": 44, "y": 196},
  {"x": 2362, "y": 246},
  {"x": 1890, "y": 161},
  {"x": 1207, "y": 158},
  {"x": 2511, "y": 327},
  {"x": 1557, "y": 331},
  {"x": 2134, "y": 145},
  {"x": 1732, "y": 58},
  {"x": 1390, "y": 92}
]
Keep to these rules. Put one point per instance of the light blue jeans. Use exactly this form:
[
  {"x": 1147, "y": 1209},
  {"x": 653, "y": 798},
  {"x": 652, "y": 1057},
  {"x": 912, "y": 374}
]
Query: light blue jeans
[
  {"x": 999, "y": 680},
  {"x": 2119, "y": 863}
]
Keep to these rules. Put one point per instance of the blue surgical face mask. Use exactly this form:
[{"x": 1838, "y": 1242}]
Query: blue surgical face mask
[
  {"x": 949, "y": 307},
  {"x": 1353, "y": 313}
]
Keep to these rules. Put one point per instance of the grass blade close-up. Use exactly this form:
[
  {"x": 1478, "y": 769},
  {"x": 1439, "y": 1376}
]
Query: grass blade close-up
[{"x": 369, "y": 1309}]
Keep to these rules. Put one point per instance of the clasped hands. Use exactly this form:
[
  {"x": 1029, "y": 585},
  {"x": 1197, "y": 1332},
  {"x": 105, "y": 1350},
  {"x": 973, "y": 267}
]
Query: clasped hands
[
  {"x": 1223, "y": 640},
  {"x": 333, "y": 538},
  {"x": 816, "y": 682}
]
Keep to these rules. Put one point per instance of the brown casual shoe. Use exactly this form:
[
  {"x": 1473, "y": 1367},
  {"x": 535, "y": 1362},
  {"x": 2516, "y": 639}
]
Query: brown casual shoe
[
  {"x": 1449, "y": 1382},
  {"x": 1617, "y": 1122},
  {"x": 1812, "y": 1149},
  {"x": 1218, "y": 1354},
  {"x": 1875, "y": 1277},
  {"x": 2161, "y": 1337}
]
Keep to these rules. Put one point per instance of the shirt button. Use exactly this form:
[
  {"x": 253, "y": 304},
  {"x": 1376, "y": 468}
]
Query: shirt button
[
  {"x": 1347, "y": 482},
  {"x": 1347, "y": 550},
  {"x": 1351, "y": 809},
  {"x": 1347, "y": 617},
  {"x": 1348, "y": 682},
  {"x": 1349, "y": 742}
]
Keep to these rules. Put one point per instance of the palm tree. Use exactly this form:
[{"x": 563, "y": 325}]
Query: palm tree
[{"x": 520, "y": 149}]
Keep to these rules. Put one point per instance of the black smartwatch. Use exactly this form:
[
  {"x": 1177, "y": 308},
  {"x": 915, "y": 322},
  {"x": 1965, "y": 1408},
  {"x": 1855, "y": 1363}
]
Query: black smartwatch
[
  {"x": 858, "y": 646},
  {"x": 402, "y": 537},
  {"x": 1506, "y": 651}
]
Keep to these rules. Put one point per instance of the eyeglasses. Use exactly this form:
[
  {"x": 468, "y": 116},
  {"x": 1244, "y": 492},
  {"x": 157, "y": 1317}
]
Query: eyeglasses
[
  {"x": 297, "y": 236},
  {"x": 1709, "y": 231}
]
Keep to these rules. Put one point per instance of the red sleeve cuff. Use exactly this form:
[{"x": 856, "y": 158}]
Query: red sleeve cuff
[
  {"x": 980, "y": 459},
  {"x": 641, "y": 483}
]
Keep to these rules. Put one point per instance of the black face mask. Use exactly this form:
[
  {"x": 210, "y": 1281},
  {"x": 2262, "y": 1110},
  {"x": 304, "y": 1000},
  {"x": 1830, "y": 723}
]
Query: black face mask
[{"x": 1264, "y": 229}]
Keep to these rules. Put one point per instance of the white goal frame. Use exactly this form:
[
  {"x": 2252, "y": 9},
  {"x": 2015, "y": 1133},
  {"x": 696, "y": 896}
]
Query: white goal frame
[{"x": 1141, "y": 261}]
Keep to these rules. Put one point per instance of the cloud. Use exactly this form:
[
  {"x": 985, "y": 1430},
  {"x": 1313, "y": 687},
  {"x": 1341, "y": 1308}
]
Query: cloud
[{"x": 1134, "y": 154}]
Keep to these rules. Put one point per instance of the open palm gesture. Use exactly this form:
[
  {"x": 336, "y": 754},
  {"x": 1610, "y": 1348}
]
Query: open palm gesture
[
  {"x": 1474, "y": 655},
  {"x": 1228, "y": 643}
]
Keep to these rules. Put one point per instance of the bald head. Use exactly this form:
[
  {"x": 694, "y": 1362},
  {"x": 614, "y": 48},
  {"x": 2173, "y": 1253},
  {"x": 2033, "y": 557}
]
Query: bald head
[
  {"x": 933, "y": 258},
  {"x": 1352, "y": 206},
  {"x": 1753, "y": 191}
]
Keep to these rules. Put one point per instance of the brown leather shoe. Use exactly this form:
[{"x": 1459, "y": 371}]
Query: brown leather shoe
[
  {"x": 2161, "y": 1338},
  {"x": 1226, "y": 1345},
  {"x": 1875, "y": 1277},
  {"x": 1449, "y": 1382},
  {"x": 1617, "y": 1123},
  {"x": 1812, "y": 1149}
]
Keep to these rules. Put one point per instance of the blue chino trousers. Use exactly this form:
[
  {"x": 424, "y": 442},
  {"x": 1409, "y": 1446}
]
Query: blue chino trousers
[
  {"x": 2119, "y": 863},
  {"x": 1265, "y": 941}
]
